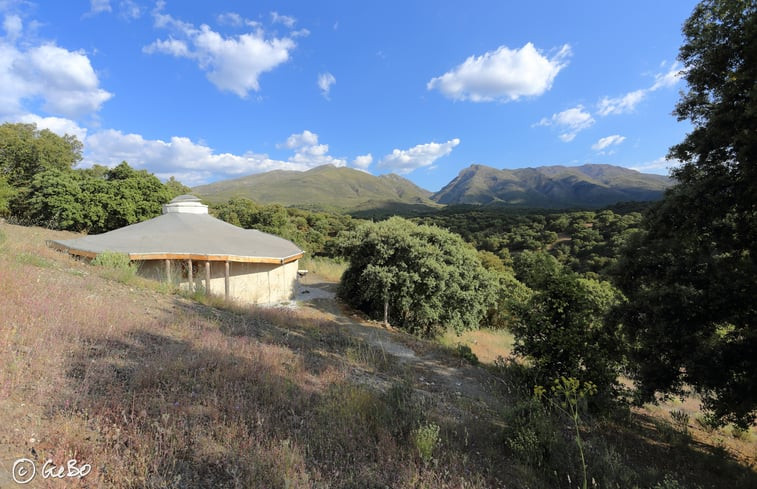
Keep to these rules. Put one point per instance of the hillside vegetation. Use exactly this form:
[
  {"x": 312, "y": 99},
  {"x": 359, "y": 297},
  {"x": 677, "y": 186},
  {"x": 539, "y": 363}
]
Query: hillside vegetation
[
  {"x": 155, "y": 390},
  {"x": 359, "y": 193},
  {"x": 325, "y": 188}
]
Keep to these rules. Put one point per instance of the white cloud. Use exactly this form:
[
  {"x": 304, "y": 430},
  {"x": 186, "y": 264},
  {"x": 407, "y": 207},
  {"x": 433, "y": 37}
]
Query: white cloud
[
  {"x": 236, "y": 20},
  {"x": 603, "y": 143},
  {"x": 309, "y": 153},
  {"x": 363, "y": 161},
  {"x": 661, "y": 166},
  {"x": 196, "y": 163},
  {"x": 667, "y": 79},
  {"x": 305, "y": 138},
  {"x": 621, "y": 105},
  {"x": 58, "y": 125},
  {"x": 129, "y": 10},
  {"x": 233, "y": 63},
  {"x": 570, "y": 122},
  {"x": 13, "y": 26},
  {"x": 504, "y": 74},
  {"x": 98, "y": 6},
  {"x": 174, "y": 47},
  {"x": 627, "y": 103},
  {"x": 230, "y": 18},
  {"x": 423, "y": 155},
  {"x": 325, "y": 80},
  {"x": 64, "y": 81},
  {"x": 283, "y": 19}
]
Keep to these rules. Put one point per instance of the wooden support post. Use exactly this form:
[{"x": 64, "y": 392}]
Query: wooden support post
[
  {"x": 207, "y": 278},
  {"x": 168, "y": 271},
  {"x": 191, "y": 276},
  {"x": 226, "y": 280}
]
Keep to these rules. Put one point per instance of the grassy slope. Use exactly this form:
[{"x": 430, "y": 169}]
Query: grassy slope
[
  {"x": 155, "y": 390},
  {"x": 325, "y": 187}
]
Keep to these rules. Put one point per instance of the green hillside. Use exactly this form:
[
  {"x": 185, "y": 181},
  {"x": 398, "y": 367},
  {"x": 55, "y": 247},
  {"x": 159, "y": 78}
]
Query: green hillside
[
  {"x": 323, "y": 187},
  {"x": 346, "y": 189}
]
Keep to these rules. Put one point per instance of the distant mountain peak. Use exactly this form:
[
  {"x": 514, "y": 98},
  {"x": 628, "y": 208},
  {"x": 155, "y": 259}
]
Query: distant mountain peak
[{"x": 552, "y": 186}]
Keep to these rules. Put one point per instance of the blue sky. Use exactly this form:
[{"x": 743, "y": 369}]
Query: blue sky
[{"x": 214, "y": 90}]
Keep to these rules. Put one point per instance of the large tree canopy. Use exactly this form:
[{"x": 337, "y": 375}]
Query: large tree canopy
[
  {"x": 691, "y": 274},
  {"x": 26, "y": 151},
  {"x": 94, "y": 200},
  {"x": 423, "y": 277},
  {"x": 561, "y": 328}
]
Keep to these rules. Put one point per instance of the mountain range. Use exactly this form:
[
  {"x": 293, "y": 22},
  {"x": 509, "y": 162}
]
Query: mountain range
[
  {"x": 552, "y": 186},
  {"x": 339, "y": 188}
]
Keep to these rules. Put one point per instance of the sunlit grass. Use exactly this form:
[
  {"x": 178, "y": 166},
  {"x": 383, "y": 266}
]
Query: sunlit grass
[{"x": 486, "y": 344}]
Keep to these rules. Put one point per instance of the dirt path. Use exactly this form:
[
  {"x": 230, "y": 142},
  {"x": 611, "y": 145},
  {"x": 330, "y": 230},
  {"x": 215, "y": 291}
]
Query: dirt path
[{"x": 434, "y": 371}]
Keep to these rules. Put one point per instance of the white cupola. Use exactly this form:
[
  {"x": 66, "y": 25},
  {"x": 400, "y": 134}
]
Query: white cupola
[{"x": 185, "y": 204}]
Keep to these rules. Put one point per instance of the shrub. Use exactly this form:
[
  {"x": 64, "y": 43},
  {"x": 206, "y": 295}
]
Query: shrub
[
  {"x": 425, "y": 439},
  {"x": 531, "y": 433},
  {"x": 117, "y": 266},
  {"x": 112, "y": 259},
  {"x": 422, "y": 278},
  {"x": 680, "y": 420},
  {"x": 464, "y": 352}
]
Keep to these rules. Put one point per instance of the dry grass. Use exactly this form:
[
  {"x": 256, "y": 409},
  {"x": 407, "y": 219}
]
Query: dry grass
[
  {"x": 486, "y": 344},
  {"x": 157, "y": 391},
  {"x": 154, "y": 390},
  {"x": 327, "y": 268}
]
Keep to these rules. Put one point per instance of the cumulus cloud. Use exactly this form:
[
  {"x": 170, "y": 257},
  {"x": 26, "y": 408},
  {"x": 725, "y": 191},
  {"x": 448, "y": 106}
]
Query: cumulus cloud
[
  {"x": 627, "y": 103},
  {"x": 570, "y": 122},
  {"x": 64, "y": 81},
  {"x": 363, "y": 161},
  {"x": 179, "y": 156},
  {"x": 325, "y": 80},
  {"x": 504, "y": 74},
  {"x": 423, "y": 155},
  {"x": 233, "y": 63},
  {"x": 197, "y": 162},
  {"x": 309, "y": 153},
  {"x": 603, "y": 143}
]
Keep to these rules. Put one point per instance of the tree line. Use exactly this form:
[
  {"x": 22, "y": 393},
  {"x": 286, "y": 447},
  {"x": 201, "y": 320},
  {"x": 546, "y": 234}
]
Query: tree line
[{"x": 39, "y": 184}]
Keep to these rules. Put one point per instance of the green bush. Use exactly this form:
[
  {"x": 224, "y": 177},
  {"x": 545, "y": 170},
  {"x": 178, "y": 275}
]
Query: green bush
[
  {"x": 425, "y": 439},
  {"x": 116, "y": 266},
  {"x": 419, "y": 278},
  {"x": 114, "y": 260},
  {"x": 531, "y": 433},
  {"x": 464, "y": 352}
]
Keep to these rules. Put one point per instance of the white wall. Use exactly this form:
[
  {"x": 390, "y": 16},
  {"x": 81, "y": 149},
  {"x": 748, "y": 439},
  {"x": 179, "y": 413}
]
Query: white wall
[{"x": 249, "y": 283}]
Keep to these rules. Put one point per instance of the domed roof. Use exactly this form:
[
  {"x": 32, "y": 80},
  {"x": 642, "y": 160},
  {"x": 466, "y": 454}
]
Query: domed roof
[{"x": 178, "y": 234}]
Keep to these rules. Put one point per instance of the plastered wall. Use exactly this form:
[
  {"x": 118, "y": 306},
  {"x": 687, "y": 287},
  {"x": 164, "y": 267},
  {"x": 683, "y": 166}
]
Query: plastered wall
[{"x": 256, "y": 283}]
